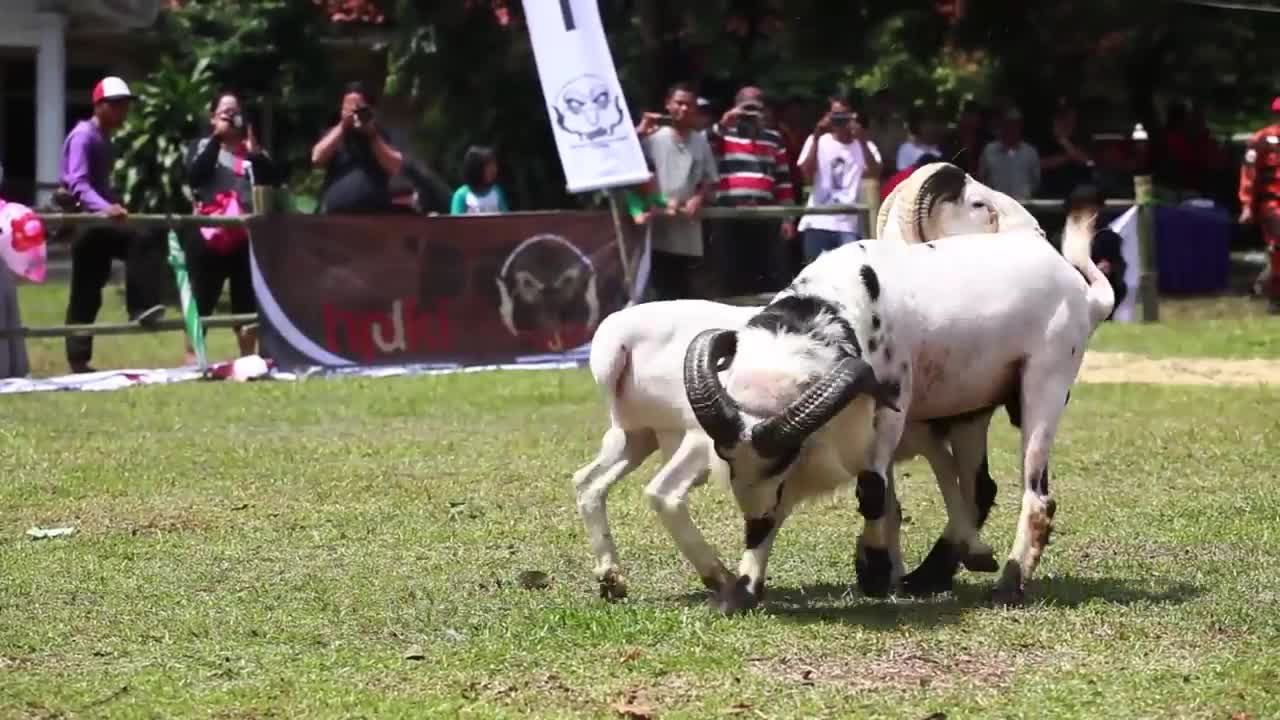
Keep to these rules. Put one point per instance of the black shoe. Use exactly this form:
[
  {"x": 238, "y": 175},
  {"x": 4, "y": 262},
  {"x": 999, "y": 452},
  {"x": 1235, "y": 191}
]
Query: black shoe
[
  {"x": 1273, "y": 307},
  {"x": 150, "y": 316},
  {"x": 82, "y": 368}
]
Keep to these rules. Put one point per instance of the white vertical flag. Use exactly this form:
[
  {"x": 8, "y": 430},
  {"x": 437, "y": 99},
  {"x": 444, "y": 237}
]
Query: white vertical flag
[
  {"x": 1126, "y": 226},
  {"x": 589, "y": 116}
]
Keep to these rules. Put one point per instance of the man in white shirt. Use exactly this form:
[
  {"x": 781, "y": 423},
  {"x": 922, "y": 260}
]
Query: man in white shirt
[{"x": 834, "y": 159}]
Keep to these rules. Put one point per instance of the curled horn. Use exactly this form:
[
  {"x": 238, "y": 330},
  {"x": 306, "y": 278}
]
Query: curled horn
[
  {"x": 923, "y": 190},
  {"x": 716, "y": 412},
  {"x": 886, "y": 207},
  {"x": 785, "y": 432}
]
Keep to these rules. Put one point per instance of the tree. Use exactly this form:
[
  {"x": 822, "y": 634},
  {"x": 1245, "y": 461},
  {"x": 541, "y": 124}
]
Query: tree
[{"x": 269, "y": 51}]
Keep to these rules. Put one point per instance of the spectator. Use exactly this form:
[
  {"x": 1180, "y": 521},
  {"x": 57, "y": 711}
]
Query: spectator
[
  {"x": 1066, "y": 162},
  {"x": 964, "y": 145},
  {"x": 792, "y": 126},
  {"x": 358, "y": 157},
  {"x": 1106, "y": 252},
  {"x": 901, "y": 175},
  {"x": 753, "y": 171},
  {"x": 686, "y": 176},
  {"x": 223, "y": 166},
  {"x": 925, "y": 134},
  {"x": 702, "y": 118},
  {"x": 888, "y": 129},
  {"x": 834, "y": 159},
  {"x": 87, "y": 159},
  {"x": 1009, "y": 164},
  {"x": 1194, "y": 157},
  {"x": 480, "y": 193}
]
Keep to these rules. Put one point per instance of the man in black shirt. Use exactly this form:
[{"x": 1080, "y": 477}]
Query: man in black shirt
[{"x": 358, "y": 158}]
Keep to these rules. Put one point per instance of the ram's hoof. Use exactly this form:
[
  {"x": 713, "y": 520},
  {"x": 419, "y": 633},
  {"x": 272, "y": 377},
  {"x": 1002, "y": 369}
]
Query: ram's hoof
[
  {"x": 612, "y": 586},
  {"x": 874, "y": 570},
  {"x": 981, "y": 562},
  {"x": 733, "y": 601},
  {"x": 1009, "y": 590},
  {"x": 736, "y": 597}
]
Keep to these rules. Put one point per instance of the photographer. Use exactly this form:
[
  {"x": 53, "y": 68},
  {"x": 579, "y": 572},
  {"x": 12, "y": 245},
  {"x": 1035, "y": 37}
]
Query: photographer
[
  {"x": 222, "y": 169},
  {"x": 754, "y": 170},
  {"x": 358, "y": 158},
  {"x": 834, "y": 159},
  {"x": 685, "y": 175}
]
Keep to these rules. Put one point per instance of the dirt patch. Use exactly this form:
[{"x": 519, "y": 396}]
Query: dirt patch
[
  {"x": 904, "y": 667},
  {"x": 1114, "y": 367}
]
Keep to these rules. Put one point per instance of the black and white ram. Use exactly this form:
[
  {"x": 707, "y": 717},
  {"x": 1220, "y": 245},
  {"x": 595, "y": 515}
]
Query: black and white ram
[
  {"x": 816, "y": 390},
  {"x": 637, "y": 360}
]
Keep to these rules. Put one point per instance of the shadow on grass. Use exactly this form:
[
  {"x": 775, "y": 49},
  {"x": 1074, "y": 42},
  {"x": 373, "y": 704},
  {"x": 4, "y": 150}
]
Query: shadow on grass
[{"x": 842, "y": 603}]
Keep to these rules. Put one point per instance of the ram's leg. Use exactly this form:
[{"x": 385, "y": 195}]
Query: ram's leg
[
  {"x": 1044, "y": 395},
  {"x": 969, "y": 442},
  {"x": 668, "y": 493},
  {"x": 620, "y": 453},
  {"x": 874, "y": 564},
  {"x": 935, "y": 573},
  {"x": 747, "y": 591}
]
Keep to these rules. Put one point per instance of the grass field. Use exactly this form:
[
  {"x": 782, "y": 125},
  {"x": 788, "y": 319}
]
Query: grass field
[{"x": 353, "y": 548}]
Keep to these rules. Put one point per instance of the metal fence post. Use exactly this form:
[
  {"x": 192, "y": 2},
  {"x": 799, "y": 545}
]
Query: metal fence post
[{"x": 1144, "y": 198}]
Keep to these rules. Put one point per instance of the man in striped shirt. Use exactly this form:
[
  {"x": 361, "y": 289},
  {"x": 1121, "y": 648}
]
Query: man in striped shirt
[{"x": 754, "y": 170}]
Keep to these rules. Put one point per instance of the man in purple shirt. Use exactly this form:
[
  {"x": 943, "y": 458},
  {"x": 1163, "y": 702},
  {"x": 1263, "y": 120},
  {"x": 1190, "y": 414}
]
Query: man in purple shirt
[{"x": 87, "y": 157}]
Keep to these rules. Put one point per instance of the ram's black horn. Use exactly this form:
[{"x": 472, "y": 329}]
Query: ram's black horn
[
  {"x": 946, "y": 183},
  {"x": 717, "y": 413},
  {"x": 787, "y": 430}
]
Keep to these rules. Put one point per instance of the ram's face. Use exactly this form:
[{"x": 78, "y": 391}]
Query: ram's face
[{"x": 972, "y": 213}]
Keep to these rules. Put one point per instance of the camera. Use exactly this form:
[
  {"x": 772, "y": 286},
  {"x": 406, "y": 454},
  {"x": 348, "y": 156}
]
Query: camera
[
  {"x": 237, "y": 121},
  {"x": 664, "y": 120},
  {"x": 364, "y": 114},
  {"x": 841, "y": 119}
]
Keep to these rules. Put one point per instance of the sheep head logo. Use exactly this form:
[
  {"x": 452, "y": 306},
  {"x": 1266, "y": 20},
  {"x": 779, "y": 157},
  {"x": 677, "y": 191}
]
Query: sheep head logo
[
  {"x": 547, "y": 293},
  {"x": 588, "y": 108}
]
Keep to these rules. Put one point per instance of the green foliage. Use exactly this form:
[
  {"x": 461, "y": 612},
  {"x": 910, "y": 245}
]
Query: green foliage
[
  {"x": 166, "y": 114},
  {"x": 269, "y": 51},
  {"x": 478, "y": 86}
]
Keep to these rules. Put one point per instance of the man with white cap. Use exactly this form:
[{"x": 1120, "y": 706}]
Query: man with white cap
[{"x": 87, "y": 159}]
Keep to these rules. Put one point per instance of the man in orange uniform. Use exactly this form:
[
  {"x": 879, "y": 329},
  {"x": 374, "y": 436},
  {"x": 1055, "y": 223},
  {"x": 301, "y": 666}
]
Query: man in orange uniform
[{"x": 1260, "y": 201}]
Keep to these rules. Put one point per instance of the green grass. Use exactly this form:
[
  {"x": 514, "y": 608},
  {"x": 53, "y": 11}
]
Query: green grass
[
  {"x": 46, "y": 305},
  {"x": 272, "y": 550},
  {"x": 1227, "y": 327}
]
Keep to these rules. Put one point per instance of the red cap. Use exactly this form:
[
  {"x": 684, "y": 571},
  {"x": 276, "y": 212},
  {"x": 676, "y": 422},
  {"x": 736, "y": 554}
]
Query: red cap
[
  {"x": 110, "y": 88},
  {"x": 1275, "y": 104}
]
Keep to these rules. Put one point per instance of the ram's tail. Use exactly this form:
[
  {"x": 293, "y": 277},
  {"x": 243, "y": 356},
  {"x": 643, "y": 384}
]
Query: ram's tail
[
  {"x": 1077, "y": 242},
  {"x": 610, "y": 357}
]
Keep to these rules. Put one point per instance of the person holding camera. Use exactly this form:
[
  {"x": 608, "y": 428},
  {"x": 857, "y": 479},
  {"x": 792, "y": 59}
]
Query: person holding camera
[
  {"x": 834, "y": 159},
  {"x": 222, "y": 169},
  {"x": 358, "y": 158},
  {"x": 685, "y": 174},
  {"x": 754, "y": 170}
]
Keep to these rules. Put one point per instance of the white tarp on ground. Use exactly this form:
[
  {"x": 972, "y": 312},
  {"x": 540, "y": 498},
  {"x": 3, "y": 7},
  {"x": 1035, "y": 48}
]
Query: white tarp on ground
[{"x": 121, "y": 379}]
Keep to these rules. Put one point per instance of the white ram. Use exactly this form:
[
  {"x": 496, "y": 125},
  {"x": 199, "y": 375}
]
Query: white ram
[
  {"x": 816, "y": 390},
  {"x": 636, "y": 360}
]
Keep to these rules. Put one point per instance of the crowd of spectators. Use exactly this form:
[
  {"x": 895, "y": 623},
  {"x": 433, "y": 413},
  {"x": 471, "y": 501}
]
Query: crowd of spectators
[{"x": 758, "y": 151}]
